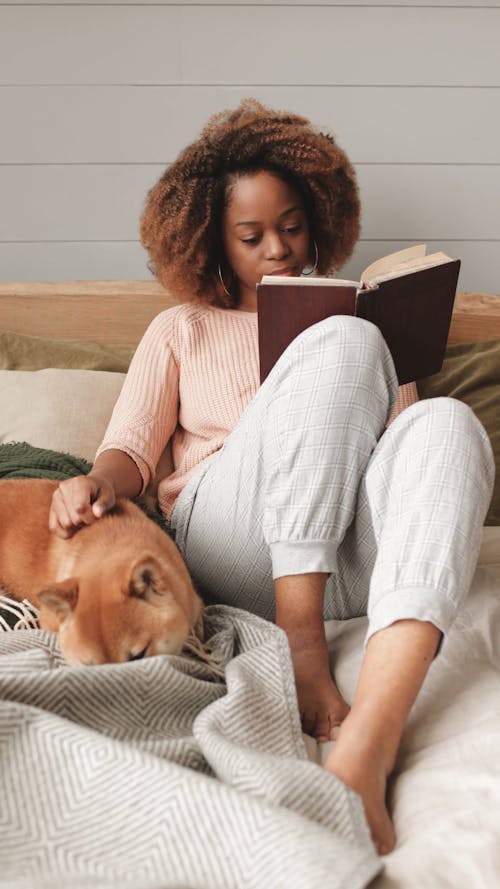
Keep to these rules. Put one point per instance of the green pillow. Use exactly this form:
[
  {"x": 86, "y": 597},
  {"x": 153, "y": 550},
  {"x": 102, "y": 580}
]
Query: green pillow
[
  {"x": 20, "y": 351},
  {"x": 471, "y": 373}
]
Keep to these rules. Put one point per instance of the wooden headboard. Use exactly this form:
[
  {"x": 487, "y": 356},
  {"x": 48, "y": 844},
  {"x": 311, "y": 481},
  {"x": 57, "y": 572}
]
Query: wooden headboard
[{"x": 118, "y": 312}]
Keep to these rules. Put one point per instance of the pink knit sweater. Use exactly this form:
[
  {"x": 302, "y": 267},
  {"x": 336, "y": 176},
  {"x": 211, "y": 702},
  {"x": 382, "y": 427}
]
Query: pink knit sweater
[{"x": 192, "y": 375}]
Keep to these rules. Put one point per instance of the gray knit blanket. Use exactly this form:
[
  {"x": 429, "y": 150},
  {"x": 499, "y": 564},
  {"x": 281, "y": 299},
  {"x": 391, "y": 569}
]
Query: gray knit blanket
[{"x": 153, "y": 775}]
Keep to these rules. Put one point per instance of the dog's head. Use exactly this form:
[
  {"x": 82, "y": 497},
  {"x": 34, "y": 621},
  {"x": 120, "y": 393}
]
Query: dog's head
[{"x": 122, "y": 611}]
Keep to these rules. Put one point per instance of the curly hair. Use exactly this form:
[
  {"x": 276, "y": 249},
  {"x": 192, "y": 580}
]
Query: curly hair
[{"x": 181, "y": 223}]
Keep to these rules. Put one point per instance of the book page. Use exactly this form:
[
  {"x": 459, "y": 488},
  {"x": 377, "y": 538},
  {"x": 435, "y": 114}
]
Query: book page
[
  {"x": 306, "y": 280},
  {"x": 387, "y": 263},
  {"x": 411, "y": 265}
]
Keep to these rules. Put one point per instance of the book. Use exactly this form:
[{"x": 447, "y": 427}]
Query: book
[{"x": 409, "y": 295}]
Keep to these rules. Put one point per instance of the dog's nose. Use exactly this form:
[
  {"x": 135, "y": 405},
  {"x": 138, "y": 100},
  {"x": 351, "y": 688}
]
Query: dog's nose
[{"x": 138, "y": 656}]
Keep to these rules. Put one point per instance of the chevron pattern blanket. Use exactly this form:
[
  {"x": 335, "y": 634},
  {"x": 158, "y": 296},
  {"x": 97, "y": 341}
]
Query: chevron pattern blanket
[{"x": 151, "y": 774}]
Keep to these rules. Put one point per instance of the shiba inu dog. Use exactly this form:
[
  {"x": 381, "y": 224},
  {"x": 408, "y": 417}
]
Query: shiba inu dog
[{"x": 117, "y": 590}]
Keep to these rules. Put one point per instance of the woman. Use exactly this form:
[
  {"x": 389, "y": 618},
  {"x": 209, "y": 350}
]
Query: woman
[{"x": 291, "y": 500}]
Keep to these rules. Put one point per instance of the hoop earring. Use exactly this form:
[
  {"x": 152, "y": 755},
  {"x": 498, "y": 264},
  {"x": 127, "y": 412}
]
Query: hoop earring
[
  {"x": 315, "y": 266},
  {"x": 226, "y": 291}
]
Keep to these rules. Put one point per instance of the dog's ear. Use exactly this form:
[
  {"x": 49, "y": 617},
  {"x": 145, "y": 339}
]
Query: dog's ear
[
  {"x": 146, "y": 579},
  {"x": 60, "y": 598}
]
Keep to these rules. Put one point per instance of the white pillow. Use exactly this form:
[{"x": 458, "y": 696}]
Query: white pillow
[{"x": 63, "y": 410}]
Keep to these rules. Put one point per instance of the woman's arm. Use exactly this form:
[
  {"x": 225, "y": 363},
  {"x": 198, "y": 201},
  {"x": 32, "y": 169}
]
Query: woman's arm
[
  {"x": 83, "y": 499},
  {"x": 120, "y": 471},
  {"x": 143, "y": 420}
]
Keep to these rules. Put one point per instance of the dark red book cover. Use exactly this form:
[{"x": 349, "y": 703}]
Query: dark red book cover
[{"x": 413, "y": 313}]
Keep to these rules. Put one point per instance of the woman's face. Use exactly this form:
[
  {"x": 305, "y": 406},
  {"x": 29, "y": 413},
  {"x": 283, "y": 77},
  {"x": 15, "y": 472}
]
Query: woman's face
[{"x": 264, "y": 231}]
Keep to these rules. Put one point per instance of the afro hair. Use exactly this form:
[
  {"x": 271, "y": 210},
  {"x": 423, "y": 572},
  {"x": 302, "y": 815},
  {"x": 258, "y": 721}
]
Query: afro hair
[{"x": 181, "y": 226}]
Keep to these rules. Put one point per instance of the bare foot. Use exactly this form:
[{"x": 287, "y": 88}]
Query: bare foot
[
  {"x": 364, "y": 768},
  {"x": 321, "y": 706}
]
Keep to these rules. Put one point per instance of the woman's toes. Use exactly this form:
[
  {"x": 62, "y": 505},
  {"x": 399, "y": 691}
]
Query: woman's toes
[
  {"x": 322, "y": 727},
  {"x": 384, "y": 837},
  {"x": 334, "y": 732},
  {"x": 329, "y": 728}
]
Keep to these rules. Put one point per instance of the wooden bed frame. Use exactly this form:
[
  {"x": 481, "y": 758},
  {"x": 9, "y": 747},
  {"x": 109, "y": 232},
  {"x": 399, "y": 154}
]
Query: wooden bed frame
[{"x": 118, "y": 312}]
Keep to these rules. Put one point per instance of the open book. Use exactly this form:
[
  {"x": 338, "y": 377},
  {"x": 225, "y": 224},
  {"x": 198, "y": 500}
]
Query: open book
[{"x": 409, "y": 296}]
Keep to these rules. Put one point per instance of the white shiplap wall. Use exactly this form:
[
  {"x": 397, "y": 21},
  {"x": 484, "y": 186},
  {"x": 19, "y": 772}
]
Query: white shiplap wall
[{"x": 96, "y": 98}]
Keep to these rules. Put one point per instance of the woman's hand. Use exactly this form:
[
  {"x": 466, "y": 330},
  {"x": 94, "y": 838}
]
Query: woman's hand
[{"x": 79, "y": 501}]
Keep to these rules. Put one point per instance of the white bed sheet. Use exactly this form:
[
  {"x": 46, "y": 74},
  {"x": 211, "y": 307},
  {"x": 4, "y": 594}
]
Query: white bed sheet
[{"x": 445, "y": 792}]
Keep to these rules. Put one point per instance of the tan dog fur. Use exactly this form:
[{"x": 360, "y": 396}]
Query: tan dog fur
[{"x": 116, "y": 590}]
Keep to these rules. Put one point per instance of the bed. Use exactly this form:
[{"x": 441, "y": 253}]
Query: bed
[{"x": 108, "y": 773}]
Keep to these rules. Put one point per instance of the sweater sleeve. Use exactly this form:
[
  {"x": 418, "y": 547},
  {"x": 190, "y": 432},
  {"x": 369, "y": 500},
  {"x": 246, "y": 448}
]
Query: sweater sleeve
[{"x": 145, "y": 414}]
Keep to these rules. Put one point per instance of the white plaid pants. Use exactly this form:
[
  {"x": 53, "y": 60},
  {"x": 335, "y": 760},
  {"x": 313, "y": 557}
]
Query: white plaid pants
[{"x": 311, "y": 480}]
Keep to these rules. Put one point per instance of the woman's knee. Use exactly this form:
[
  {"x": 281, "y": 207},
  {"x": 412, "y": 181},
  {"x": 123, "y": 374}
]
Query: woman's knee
[
  {"x": 449, "y": 423},
  {"x": 343, "y": 346},
  {"x": 341, "y": 366},
  {"x": 348, "y": 331},
  {"x": 449, "y": 415},
  {"x": 465, "y": 423}
]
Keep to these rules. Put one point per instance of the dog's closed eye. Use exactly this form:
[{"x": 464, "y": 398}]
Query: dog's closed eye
[{"x": 139, "y": 655}]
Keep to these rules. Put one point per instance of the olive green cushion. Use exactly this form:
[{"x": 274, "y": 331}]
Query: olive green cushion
[
  {"x": 58, "y": 394},
  {"x": 471, "y": 373},
  {"x": 19, "y": 351}
]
